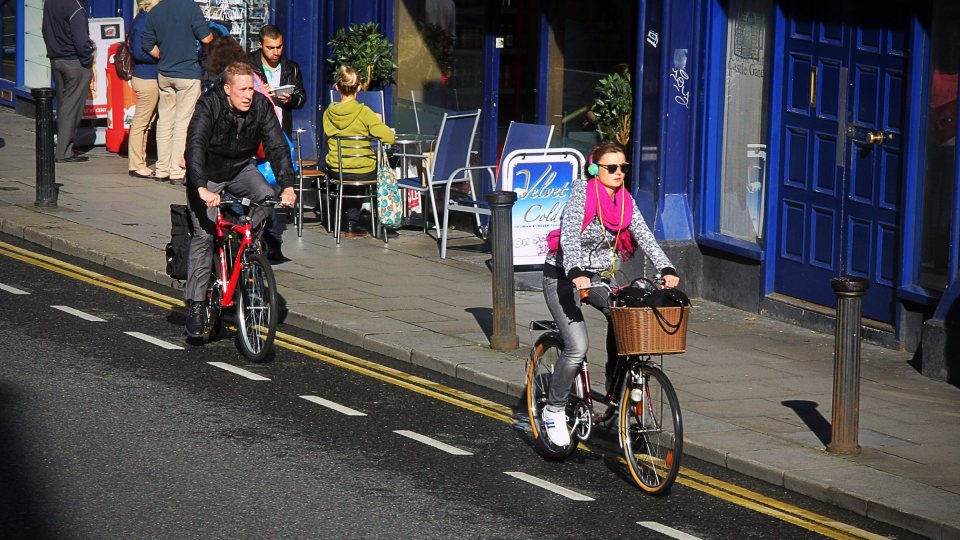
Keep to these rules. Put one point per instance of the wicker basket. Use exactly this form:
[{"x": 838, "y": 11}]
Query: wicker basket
[{"x": 640, "y": 331}]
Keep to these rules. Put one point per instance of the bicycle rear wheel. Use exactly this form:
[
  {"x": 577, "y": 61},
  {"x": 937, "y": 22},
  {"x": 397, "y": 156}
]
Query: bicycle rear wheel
[
  {"x": 256, "y": 300},
  {"x": 651, "y": 429},
  {"x": 546, "y": 353}
]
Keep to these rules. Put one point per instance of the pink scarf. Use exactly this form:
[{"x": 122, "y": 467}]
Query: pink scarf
[{"x": 616, "y": 215}]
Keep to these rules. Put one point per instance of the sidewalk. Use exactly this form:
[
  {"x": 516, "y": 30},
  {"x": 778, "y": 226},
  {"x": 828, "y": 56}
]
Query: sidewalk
[{"x": 756, "y": 393}]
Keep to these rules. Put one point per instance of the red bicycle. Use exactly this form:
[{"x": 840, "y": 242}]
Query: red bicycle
[{"x": 241, "y": 277}]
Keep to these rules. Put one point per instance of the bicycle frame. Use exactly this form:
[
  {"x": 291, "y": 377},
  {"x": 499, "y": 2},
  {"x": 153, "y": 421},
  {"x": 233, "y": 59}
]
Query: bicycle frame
[{"x": 229, "y": 283}]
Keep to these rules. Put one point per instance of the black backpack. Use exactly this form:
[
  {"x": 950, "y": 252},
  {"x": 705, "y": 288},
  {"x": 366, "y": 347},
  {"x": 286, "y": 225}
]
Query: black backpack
[
  {"x": 123, "y": 61},
  {"x": 178, "y": 250}
]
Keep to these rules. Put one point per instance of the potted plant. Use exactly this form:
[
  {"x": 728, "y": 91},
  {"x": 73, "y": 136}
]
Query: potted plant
[
  {"x": 364, "y": 48},
  {"x": 613, "y": 107}
]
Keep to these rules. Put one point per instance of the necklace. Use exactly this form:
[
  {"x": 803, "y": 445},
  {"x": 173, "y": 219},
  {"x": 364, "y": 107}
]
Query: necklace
[{"x": 611, "y": 272}]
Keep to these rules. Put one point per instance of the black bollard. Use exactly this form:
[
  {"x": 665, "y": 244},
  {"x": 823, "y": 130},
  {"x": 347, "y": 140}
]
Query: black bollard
[
  {"x": 46, "y": 173},
  {"x": 504, "y": 336},
  {"x": 845, "y": 422}
]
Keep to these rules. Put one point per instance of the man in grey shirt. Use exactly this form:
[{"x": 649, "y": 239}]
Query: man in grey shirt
[{"x": 170, "y": 35}]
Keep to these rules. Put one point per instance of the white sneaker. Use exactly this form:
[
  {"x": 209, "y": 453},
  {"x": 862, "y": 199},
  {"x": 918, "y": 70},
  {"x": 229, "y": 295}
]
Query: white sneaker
[{"x": 556, "y": 424}]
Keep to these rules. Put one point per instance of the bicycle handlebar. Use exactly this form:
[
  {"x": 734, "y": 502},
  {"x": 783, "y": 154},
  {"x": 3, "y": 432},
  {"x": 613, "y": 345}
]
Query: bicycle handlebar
[
  {"x": 657, "y": 281},
  {"x": 227, "y": 199}
]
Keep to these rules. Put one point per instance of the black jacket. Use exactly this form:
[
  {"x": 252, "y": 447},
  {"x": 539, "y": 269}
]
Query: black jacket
[
  {"x": 65, "y": 31},
  {"x": 289, "y": 74},
  {"x": 221, "y": 141}
]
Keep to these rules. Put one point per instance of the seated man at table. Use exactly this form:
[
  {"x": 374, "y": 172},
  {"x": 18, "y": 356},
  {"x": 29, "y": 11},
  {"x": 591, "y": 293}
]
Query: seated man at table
[{"x": 351, "y": 118}]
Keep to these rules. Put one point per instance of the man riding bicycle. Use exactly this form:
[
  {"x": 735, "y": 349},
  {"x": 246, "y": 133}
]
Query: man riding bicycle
[{"x": 229, "y": 123}]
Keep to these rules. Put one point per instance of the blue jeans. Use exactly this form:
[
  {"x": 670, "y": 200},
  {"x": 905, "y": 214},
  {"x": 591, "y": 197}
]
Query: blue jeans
[{"x": 563, "y": 301}]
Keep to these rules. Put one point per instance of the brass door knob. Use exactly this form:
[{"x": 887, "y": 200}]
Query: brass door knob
[{"x": 875, "y": 137}]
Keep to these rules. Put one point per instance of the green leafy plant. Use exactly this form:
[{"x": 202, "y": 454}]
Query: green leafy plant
[
  {"x": 364, "y": 48},
  {"x": 613, "y": 107}
]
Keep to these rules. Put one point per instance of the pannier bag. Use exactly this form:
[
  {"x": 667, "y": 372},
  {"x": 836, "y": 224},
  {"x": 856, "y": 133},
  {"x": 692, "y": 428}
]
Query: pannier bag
[{"x": 178, "y": 249}]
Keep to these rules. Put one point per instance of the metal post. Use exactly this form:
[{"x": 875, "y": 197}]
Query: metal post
[
  {"x": 504, "y": 336},
  {"x": 46, "y": 173},
  {"x": 846, "y": 366}
]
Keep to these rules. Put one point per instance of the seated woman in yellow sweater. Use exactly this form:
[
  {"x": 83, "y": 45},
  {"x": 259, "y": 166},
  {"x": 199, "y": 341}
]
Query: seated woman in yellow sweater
[{"x": 349, "y": 117}]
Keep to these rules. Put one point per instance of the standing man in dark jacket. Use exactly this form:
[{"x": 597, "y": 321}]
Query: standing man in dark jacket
[
  {"x": 228, "y": 125},
  {"x": 70, "y": 50},
  {"x": 276, "y": 70}
]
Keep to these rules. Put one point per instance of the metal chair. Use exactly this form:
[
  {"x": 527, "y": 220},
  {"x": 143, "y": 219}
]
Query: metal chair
[
  {"x": 308, "y": 182},
  {"x": 354, "y": 147},
  {"x": 449, "y": 161},
  {"x": 519, "y": 137}
]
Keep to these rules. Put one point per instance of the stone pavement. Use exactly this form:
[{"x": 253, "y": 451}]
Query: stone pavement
[{"x": 756, "y": 393}]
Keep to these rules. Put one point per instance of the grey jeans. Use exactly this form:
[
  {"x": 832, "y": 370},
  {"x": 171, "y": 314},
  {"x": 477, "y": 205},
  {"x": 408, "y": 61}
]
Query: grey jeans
[
  {"x": 563, "y": 301},
  {"x": 72, "y": 84},
  {"x": 248, "y": 183}
]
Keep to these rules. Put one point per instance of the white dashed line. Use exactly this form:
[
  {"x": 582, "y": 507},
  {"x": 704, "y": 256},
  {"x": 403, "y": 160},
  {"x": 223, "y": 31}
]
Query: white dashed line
[
  {"x": 549, "y": 486},
  {"x": 669, "y": 531},
  {"x": 335, "y": 406},
  {"x": 238, "y": 371},
  {"x": 153, "y": 340},
  {"x": 11, "y": 290},
  {"x": 78, "y": 313},
  {"x": 433, "y": 442}
]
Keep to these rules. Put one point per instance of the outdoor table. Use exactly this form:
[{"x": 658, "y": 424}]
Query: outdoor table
[{"x": 411, "y": 143}]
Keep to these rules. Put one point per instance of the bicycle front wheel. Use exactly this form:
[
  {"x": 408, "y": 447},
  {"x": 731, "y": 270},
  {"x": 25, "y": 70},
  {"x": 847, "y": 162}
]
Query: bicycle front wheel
[
  {"x": 546, "y": 353},
  {"x": 256, "y": 300},
  {"x": 651, "y": 429}
]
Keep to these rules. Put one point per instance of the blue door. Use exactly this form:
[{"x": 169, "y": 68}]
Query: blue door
[{"x": 841, "y": 163}]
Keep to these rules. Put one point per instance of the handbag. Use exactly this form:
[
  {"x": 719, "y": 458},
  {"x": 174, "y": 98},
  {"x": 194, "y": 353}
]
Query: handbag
[
  {"x": 389, "y": 205},
  {"x": 123, "y": 60}
]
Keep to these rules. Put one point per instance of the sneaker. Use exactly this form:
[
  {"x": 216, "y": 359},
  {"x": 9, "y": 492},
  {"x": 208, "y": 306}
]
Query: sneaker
[
  {"x": 195, "y": 319},
  {"x": 556, "y": 424}
]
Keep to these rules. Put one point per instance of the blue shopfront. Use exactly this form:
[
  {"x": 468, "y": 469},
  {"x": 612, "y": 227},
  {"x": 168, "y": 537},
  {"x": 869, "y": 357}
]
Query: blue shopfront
[{"x": 778, "y": 143}]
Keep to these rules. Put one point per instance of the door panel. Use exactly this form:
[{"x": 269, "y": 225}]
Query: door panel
[{"x": 842, "y": 156}]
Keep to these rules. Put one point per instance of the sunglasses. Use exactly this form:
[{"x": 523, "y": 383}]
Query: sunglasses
[{"x": 624, "y": 167}]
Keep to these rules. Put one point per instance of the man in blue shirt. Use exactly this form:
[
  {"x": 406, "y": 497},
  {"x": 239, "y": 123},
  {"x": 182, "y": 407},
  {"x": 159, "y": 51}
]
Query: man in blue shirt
[
  {"x": 170, "y": 35},
  {"x": 67, "y": 37}
]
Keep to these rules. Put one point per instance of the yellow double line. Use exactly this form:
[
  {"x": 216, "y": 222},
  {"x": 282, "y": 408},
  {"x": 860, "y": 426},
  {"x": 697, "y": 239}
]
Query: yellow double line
[{"x": 728, "y": 492}]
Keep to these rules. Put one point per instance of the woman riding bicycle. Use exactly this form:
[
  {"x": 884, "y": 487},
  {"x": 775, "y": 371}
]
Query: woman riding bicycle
[{"x": 600, "y": 227}]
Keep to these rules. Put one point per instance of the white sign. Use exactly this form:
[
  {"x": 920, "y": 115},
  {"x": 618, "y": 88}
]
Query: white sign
[
  {"x": 541, "y": 179},
  {"x": 104, "y": 32}
]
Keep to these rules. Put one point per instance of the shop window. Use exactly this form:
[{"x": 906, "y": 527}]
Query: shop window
[
  {"x": 580, "y": 55},
  {"x": 743, "y": 175},
  {"x": 940, "y": 151},
  {"x": 8, "y": 36},
  {"x": 440, "y": 61}
]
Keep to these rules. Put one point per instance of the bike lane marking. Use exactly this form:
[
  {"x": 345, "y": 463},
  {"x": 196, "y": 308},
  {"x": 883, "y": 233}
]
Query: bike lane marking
[
  {"x": 78, "y": 313},
  {"x": 433, "y": 442},
  {"x": 153, "y": 340},
  {"x": 11, "y": 290},
  {"x": 342, "y": 409},
  {"x": 549, "y": 486},
  {"x": 239, "y": 371},
  {"x": 668, "y": 531}
]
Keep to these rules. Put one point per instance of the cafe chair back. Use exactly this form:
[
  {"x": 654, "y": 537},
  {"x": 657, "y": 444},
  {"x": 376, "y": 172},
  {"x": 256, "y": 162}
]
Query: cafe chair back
[
  {"x": 449, "y": 161},
  {"x": 520, "y": 136},
  {"x": 370, "y": 98},
  {"x": 310, "y": 179},
  {"x": 362, "y": 187}
]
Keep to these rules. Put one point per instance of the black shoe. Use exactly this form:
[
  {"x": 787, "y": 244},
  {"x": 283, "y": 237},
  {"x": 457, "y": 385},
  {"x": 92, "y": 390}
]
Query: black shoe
[
  {"x": 392, "y": 233},
  {"x": 73, "y": 158},
  {"x": 353, "y": 230},
  {"x": 195, "y": 319}
]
